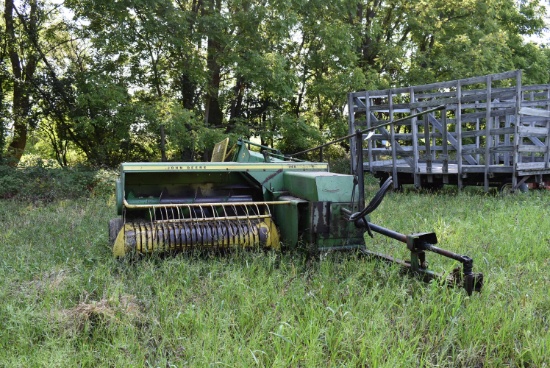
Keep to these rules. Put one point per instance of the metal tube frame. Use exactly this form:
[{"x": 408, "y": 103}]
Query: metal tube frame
[{"x": 418, "y": 244}]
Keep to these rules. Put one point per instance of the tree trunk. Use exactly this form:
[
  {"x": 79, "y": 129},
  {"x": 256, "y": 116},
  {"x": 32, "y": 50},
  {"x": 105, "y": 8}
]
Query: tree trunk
[
  {"x": 213, "y": 112},
  {"x": 22, "y": 74}
]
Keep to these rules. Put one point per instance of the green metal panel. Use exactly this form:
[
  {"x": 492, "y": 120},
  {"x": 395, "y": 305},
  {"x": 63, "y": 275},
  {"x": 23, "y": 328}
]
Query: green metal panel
[
  {"x": 288, "y": 218},
  {"x": 319, "y": 186},
  {"x": 245, "y": 155},
  {"x": 329, "y": 229},
  {"x": 119, "y": 196}
]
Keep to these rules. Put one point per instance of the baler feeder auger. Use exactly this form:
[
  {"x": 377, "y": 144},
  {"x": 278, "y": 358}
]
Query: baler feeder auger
[{"x": 256, "y": 200}]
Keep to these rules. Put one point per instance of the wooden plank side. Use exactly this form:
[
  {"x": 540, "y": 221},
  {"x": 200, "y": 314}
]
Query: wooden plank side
[
  {"x": 387, "y": 136},
  {"x": 370, "y": 156},
  {"x": 534, "y": 112},
  {"x": 540, "y": 103},
  {"x": 499, "y": 131},
  {"x": 486, "y": 113},
  {"x": 526, "y": 131},
  {"x": 534, "y": 121},
  {"x": 443, "y": 85},
  {"x": 501, "y": 93},
  {"x": 352, "y": 126},
  {"x": 483, "y": 105},
  {"x": 530, "y": 166},
  {"x": 473, "y": 133},
  {"x": 523, "y": 148}
]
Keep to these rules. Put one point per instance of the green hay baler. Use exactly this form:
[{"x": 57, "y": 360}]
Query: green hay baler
[{"x": 257, "y": 200}]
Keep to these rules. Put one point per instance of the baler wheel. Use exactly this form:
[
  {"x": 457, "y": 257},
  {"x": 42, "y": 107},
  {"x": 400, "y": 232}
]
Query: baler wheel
[{"x": 114, "y": 228}]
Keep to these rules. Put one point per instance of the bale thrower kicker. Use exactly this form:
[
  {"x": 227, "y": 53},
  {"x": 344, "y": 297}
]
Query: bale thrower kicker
[{"x": 258, "y": 200}]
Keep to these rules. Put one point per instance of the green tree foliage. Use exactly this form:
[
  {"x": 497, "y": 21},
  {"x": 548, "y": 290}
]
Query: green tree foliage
[
  {"x": 452, "y": 40},
  {"x": 113, "y": 75},
  {"x": 327, "y": 65},
  {"x": 103, "y": 112}
]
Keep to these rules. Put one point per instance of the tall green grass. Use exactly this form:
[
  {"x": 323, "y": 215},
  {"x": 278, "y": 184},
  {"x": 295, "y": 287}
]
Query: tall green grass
[{"x": 65, "y": 302}]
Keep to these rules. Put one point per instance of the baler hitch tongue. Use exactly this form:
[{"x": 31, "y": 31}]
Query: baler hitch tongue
[{"x": 418, "y": 244}]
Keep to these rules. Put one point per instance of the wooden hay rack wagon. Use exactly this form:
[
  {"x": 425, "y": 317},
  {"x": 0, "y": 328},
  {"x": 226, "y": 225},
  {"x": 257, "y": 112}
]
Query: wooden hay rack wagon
[{"x": 490, "y": 131}]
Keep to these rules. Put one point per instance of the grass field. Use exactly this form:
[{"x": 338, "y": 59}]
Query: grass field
[{"x": 65, "y": 302}]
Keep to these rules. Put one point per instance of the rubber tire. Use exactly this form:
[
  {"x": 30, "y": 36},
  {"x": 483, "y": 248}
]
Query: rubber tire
[
  {"x": 114, "y": 228},
  {"x": 524, "y": 188}
]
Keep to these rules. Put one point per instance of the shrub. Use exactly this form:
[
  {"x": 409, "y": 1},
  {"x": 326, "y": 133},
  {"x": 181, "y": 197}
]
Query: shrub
[
  {"x": 10, "y": 184},
  {"x": 42, "y": 181}
]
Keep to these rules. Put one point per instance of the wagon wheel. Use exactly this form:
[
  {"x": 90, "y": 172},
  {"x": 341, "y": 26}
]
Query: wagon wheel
[{"x": 506, "y": 188}]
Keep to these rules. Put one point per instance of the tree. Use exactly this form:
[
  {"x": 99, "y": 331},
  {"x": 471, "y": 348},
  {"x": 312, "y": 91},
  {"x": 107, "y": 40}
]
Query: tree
[
  {"x": 328, "y": 64},
  {"x": 406, "y": 43},
  {"x": 382, "y": 31},
  {"x": 451, "y": 40}
]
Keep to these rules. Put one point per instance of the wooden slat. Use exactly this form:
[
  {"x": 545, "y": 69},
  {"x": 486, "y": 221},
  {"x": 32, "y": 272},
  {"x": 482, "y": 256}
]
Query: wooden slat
[
  {"x": 540, "y": 103},
  {"x": 467, "y": 117},
  {"x": 534, "y": 112},
  {"x": 499, "y": 131},
  {"x": 501, "y": 149},
  {"x": 440, "y": 85},
  {"x": 531, "y": 149},
  {"x": 535, "y": 141},
  {"x": 473, "y": 133},
  {"x": 530, "y": 165},
  {"x": 525, "y": 131},
  {"x": 537, "y": 121},
  {"x": 451, "y": 139},
  {"x": 387, "y": 137}
]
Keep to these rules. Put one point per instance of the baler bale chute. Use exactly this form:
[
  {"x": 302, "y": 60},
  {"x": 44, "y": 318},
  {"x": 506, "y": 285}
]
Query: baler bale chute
[{"x": 257, "y": 200}]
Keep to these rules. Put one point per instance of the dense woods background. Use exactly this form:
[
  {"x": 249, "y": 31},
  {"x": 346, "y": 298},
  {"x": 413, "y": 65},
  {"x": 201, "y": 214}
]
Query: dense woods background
[{"x": 99, "y": 81}]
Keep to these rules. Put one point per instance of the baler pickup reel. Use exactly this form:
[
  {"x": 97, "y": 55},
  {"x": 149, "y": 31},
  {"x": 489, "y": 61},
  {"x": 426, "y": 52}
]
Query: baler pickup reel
[
  {"x": 418, "y": 244},
  {"x": 256, "y": 200},
  {"x": 179, "y": 226}
]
